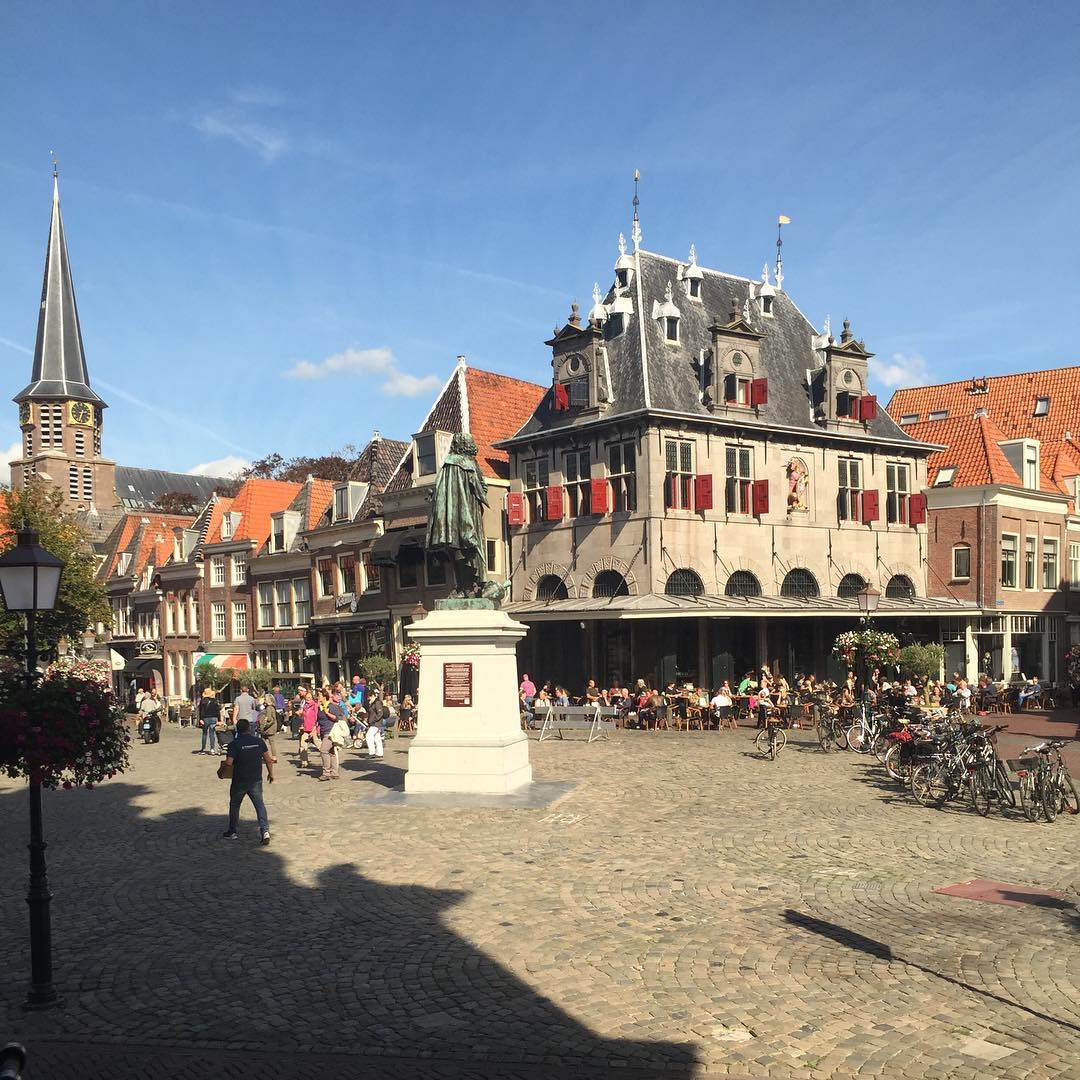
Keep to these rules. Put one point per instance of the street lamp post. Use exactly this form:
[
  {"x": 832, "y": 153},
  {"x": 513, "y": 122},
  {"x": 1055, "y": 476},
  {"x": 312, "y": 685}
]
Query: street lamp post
[
  {"x": 868, "y": 598},
  {"x": 30, "y": 580}
]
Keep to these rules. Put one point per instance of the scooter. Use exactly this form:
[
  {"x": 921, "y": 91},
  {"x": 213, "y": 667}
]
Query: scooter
[{"x": 148, "y": 730}]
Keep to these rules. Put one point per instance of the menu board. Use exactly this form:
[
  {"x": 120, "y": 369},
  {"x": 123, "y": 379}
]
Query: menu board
[{"x": 457, "y": 686}]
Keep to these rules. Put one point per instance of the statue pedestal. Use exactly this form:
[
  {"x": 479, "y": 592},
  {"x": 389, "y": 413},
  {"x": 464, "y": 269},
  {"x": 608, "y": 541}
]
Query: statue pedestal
[{"x": 469, "y": 736}]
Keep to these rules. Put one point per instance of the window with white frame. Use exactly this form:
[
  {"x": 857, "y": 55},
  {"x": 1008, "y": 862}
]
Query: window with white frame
[
  {"x": 536, "y": 473},
  {"x": 217, "y": 570},
  {"x": 1051, "y": 580},
  {"x": 622, "y": 475},
  {"x": 341, "y": 502},
  {"x": 896, "y": 493},
  {"x": 1009, "y": 545},
  {"x": 425, "y": 454},
  {"x": 283, "y": 603},
  {"x": 181, "y": 614},
  {"x": 277, "y": 532},
  {"x": 1074, "y": 566},
  {"x": 227, "y": 525},
  {"x": 193, "y": 614},
  {"x": 266, "y": 605},
  {"x": 577, "y": 478},
  {"x": 170, "y": 620},
  {"x": 1030, "y": 557},
  {"x": 301, "y": 601},
  {"x": 239, "y": 620},
  {"x": 239, "y": 568},
  {"x": 1042, "y": 406},
  {"x": 325, "y": 571},
  {"x": 849, "y": 482},
  {"x": 961, "y": 562},
  {"x": 945, "y": 476},
  {"x": 347, "y": 570},
  {"x": 739, "y": 477},
  {"x": 679, "y": 474},
  {"x": 218, "y": 621},
  {"x": 372, "y": 578},
  {"x": 1031, "y": 466}
]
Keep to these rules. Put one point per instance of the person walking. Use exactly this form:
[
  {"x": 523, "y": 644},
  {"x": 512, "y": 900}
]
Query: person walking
[
  {"x": 309, "y": 720},
  {"x": 209, "y": 715},
  {"x": 326, "y": 721},
  {"x": 268, "y": 724},
  {"x": 244, "y": 707},
  {"x": 248, "y": 753}
]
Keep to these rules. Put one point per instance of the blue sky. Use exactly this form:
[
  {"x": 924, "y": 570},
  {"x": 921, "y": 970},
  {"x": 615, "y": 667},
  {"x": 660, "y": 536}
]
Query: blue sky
[{"x": 364, "y": 191}]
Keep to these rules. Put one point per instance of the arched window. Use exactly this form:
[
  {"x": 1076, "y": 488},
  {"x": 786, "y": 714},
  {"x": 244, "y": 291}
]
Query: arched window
[
  {"x": 551, "y": 587},
  {"x": 900, "y": 587},
  {"x": 800, "y": 584},
  {"x": 684, "y": 583},
  {"x": 610, "y": 583},
  {"x": 850, "y": 586},
  {"x": 742, "y": 583}
]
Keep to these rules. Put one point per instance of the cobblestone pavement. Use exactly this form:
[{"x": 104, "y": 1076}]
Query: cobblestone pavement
[{"x": 687, "y": 909}]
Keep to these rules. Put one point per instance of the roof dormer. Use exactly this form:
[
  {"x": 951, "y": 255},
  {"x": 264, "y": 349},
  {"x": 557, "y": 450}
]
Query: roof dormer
[
  {"x": 692, "y": 276},
  {"x": 624, "y": 265},
  {"x": 1023, "y": 456},
  {"x": 764, "y": 294},
  {"x": 597, "y": 313},
  {"x": 668, "y": 315}
]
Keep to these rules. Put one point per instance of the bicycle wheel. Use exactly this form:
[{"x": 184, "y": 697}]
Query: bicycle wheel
[
  {"x": 1050, "y": 796},
  {"x": 762, "y": 742},
  {"x": 839, "y": 735},
  {"x": 824, "y": 736},
  {"x": 1003, "y": 785},
  {"x": 1070, "y": 803},
  {"x": 857, "y": 738},
  {"x": 892, "y": 763},
  {"x": 780, "y": 742},
  {"x": 930, "y": 784},
  {"x": 979, "y": 791},
  {"x": 879, "y": 745},
  {"x": 1028, "y": 801}
]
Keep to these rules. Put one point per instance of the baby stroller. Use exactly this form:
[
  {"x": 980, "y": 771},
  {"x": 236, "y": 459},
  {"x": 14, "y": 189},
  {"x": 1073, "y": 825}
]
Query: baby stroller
[{"x": 358, "y": 725}]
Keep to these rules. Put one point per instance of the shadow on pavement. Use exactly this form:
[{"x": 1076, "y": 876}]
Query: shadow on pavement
[{"x": 165, "y": 934}]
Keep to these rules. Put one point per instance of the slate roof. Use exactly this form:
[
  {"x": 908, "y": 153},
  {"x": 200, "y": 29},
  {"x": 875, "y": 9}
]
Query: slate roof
[
  {"x": 490, "y": 406},
  {"x": 141, "y": 488},
  {"x": 378, "y": 460},
  {"x": 1009, "y": 401},
  {"x": 59, "y": 369},
  {"x": 668, "y": 380}
]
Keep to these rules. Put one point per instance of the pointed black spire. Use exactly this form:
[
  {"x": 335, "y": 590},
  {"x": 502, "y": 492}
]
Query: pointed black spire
[{"x": 59, "y": 363}]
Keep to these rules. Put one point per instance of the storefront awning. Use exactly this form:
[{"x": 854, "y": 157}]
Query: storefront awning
[
  {"x": 662, "y": 606},
  {"x": 385, "y": 550},
  {"x": 236, "y": 661}
]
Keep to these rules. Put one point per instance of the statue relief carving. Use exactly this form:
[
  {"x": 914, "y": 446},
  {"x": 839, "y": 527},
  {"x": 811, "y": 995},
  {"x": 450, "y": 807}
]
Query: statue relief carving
[{"x": 798, "y": 477}]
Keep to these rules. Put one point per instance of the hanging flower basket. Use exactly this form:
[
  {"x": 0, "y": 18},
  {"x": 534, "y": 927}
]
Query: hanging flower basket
[
  {"x": 874, "y": 646},
  {"x": 1072, "y": 664},
  {"x": 67, "y": 731},
  {"x": 411, "y": 655}
]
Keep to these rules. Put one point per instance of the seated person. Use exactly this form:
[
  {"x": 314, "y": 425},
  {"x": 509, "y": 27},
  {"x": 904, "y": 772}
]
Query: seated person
[
  {"x": 592, "y": 694},
  {"x": 721, "y": 704},
  {"x": 1030, "y": 689}
]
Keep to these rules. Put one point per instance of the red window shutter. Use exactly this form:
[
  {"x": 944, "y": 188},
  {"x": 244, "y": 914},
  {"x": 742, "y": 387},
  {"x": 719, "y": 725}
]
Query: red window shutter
[
  {"x": 703, "y": 492},
  {"x": 515, "y": 508},
  {"x": 917, "y": 510},
  {"x": 599, "y": 495},
  {"x": 562, "y": 398},
  {"x": 759, "y": 497},
  {"x": 853, "y": 406},
  {"x": 759, "y": 392},
  {"x": 553, "y": 503},
  {"x": 869, "y": 506},
  {"x": 868, "y": 407}
]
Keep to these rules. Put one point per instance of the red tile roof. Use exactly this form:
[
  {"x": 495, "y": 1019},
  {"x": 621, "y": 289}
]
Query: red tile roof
[
  {"x": 319, "y": 499},
  {"x": 148, "y": 537},
  {"x": 255, "y": 502},
  {"x": 498, "y": 407}
]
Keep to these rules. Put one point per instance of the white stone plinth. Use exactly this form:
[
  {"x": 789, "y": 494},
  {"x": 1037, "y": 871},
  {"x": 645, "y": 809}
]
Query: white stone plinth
[{"x": 475, "y": 745}]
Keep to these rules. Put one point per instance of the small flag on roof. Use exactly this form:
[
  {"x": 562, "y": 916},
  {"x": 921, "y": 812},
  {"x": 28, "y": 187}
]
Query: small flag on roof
[{"x": 783, "y": 219}]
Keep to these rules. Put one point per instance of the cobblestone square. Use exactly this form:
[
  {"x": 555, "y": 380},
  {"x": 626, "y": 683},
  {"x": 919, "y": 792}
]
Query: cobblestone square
[{"x": 686, "y": 909}]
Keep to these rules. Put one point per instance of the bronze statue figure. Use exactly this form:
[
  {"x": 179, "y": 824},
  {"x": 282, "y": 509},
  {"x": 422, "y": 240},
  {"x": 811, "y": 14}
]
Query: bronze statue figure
[{"x": 456, "y": 525}]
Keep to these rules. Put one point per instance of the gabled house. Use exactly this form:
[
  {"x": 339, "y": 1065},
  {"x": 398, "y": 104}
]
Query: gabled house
[
  {"x": 707, "y": 485},
  {"x": 1001, "y": 501}
]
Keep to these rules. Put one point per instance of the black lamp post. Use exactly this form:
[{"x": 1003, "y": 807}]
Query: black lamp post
[
  {"x": 868, "y": 598},
  {"x": 30, "y": 580}
]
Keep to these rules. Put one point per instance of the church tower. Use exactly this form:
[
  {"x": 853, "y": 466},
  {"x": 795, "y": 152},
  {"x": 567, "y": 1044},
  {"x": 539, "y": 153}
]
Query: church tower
[{"x": 59, "y": 414}]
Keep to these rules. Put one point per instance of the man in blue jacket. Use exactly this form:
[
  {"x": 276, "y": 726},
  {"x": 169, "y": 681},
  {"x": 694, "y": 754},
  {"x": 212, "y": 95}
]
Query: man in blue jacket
[{"x": 248, "y": 753}]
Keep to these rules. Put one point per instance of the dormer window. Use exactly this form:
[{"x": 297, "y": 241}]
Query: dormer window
[
  {"x": 227, "y": 525},
  {"x": 425, "y": 454},
  {"x": 622, "y": 278},
  {"x": 123, "y": 564},
  {"x": 1031, "y": 466},
  {"x": 277, "y": 533},
  {"x": 693, "y": 288},
  {"x": 939, "y": 414},
  {"x": 667, "y": 314},
  {"x": 766, "y": 305},
  {"x": 577, "y": 392},
  {"x": 1042, "y": 406},
  {"x": 671, "y": 328},
  {"x": 909, "y": 418},
  {"x": 615, "y": 324}
]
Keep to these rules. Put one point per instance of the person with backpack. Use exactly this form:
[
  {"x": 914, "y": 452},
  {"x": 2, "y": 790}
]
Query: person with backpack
[{"x": 268, "y": 724}]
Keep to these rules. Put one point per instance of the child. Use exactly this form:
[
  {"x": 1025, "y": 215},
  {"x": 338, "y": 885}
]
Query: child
[{"x": 374, "y": 741}]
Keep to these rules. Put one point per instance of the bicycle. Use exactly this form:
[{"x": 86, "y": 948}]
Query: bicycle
[
  {"x": 830, "y": 730},
  {"x": 771, "y": 739},
  {"x": 1047, "y": 787}
]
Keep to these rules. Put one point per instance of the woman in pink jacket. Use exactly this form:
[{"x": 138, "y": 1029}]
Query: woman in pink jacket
[{"x": 309, "y": 715}]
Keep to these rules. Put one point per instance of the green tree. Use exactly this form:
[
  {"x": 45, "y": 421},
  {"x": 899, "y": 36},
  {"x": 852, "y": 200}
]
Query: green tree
[
  {"x": 82, "y": 600},
  {"x": 922, "y": 661},
  {"x": 379, "y": 667},
  {"x": 213, "y": 676},
  {"x": 260, "y": 679}
]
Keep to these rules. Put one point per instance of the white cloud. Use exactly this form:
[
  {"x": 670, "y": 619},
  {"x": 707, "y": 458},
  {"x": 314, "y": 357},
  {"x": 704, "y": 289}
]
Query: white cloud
[
  {"x": 227, "y": 466},
  {"x": 267, "y": 142},
  {"x": 904, "y": 369},
  {"x": 12, "y": 453},
  {"x": 378, "y": 362},
  {"x": 16, "y": 346}
]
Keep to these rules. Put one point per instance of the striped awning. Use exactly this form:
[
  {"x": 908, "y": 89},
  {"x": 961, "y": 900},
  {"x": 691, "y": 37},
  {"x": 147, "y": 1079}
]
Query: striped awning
[{"x": 236, "y": 661}]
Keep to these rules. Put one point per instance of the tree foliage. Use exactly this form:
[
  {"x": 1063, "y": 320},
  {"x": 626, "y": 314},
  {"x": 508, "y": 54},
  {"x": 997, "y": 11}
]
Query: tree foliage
[
  {"x": 176, "y": 502},
  {"x": 379, "y": 667},
  {"x": 213, "y": 676},
  {"x": 82, "y": 600},
  {"x": 922, "y": 661},
  {"x": 338, "y": 465}
]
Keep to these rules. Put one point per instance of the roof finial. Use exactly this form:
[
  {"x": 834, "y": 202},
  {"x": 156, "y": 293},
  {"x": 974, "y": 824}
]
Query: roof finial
[
  {"x": 622, "y": 244},
  {"x": 781, "y": 221},
  {"x": 668, "y": 293},
  {"x": 55, "y": 176},
  {"x": 827, "y": 329},
  {"x": 596, "y": 294},
  {"x": 847, "y": 335},
  {"x": 635, "y": 233},
  {"x": 765, "y": 274},
  {"x": 693, "y": 255},
  {"x": 575, "y": 314},
  {"x": 461, "y": 362}
]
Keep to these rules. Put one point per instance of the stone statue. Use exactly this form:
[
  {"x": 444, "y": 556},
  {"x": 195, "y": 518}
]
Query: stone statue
[{"x": 456, "y": 526}]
